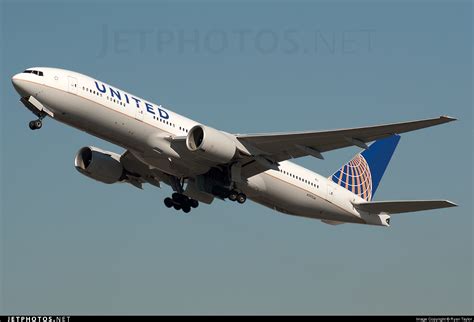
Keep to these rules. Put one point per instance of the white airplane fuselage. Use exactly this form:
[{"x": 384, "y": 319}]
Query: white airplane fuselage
[{"x": 136, "y": 124}]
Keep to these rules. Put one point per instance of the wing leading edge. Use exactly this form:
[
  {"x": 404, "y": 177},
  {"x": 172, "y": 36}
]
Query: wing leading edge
[{"x": 276, "y": 147}]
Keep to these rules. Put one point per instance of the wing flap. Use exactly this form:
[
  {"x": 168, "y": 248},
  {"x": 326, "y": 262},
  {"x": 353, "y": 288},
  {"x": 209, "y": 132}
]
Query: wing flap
[{"x": 401, "y": 206}]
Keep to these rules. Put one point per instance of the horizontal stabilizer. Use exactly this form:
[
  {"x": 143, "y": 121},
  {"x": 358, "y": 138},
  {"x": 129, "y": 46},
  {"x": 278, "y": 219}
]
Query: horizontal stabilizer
[{"x": 401, "y": 206}]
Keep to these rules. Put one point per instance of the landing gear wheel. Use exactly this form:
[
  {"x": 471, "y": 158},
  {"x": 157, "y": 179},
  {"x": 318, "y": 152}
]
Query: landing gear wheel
[
  {"x": 233, "y": 195},
  {"x": 181, "y": 202},
  {"x": 35, "y": 125},
  {"x": 168, "y": 202},
  {"x": 193, "y": 203},
  {"x": 241, "y": 198},
  {"x": 186, "y": 209}
]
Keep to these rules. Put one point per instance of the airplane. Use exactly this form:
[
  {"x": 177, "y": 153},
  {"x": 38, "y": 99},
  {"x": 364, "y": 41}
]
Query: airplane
[{"x": 202, "y": 163}]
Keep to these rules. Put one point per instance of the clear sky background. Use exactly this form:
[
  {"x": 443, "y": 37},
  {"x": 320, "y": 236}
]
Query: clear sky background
[{"x": 72, "y": 245}]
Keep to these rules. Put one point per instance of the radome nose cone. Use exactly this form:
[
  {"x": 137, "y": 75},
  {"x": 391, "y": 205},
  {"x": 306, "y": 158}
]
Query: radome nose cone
[
  {"x": 15, "y": 79},
  {"x": 17, "y": 84}
]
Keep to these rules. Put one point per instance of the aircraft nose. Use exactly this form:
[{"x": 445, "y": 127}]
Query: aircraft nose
[
  {"x": 19, "y": 85},
  {"x": 15, "y": 79}
]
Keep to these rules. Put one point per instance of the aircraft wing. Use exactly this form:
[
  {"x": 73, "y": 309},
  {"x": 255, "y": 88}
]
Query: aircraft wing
[
  {"x": 139, "y": 172},
  {"x": 397, "y": 207},
  {"x": 275, "y": 147}
]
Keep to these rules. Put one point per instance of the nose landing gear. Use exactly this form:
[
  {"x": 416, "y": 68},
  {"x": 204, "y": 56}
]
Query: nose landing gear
[{"x": 36, "y": 125}]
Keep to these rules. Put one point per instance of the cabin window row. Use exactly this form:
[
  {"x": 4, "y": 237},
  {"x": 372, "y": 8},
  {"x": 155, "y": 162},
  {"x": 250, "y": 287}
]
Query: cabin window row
[
  {"x": 97, "y": 93},
  {"x": 299, "y": 178},
  {"x": 163, "y": 121},
  {"x": 92, "y": 92},
  {"x": 123, "y": 104},
  {"x": 169, "y": 123}
]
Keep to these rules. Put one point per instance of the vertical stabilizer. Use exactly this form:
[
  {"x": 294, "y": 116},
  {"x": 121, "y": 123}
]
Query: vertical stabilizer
[{"x": 363, "y": 173}]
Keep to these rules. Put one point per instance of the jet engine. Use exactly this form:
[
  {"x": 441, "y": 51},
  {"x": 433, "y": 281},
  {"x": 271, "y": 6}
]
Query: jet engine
[
  {"x": 211, "y": 144},
  {"x": 100, "y": 165}
]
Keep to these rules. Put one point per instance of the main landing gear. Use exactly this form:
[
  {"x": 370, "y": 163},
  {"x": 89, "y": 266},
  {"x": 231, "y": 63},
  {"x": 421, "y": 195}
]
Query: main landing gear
[
  {"x": 36, "y": 125},
  {"x": 237, "y": 196},
  {"x": 181, "y": 202}
]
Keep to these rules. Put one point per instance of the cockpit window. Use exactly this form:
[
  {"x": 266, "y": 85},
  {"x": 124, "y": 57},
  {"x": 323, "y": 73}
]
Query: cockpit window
[{"x": 36, "y": 72}]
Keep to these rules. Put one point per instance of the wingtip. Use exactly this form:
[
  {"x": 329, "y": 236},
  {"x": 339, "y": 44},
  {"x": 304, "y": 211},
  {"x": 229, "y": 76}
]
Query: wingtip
[
  {"x": 448, "y": 118},
  {"x": 451, "y": 204}
]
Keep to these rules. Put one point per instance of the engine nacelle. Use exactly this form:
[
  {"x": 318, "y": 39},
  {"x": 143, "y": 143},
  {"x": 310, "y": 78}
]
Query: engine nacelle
[
  {"x": 100, "y": 165},
  {"x": 211, "y": 144}
]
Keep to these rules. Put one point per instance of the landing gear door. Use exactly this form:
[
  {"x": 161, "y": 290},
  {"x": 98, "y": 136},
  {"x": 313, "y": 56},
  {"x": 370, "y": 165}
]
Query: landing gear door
[{"x": 72, "y": 84}]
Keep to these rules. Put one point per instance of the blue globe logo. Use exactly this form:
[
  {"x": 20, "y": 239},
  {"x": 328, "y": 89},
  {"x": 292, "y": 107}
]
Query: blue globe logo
[{"x": 355, "y": 176}]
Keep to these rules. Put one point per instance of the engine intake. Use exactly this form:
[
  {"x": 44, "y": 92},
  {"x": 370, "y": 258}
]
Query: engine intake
[
  {"x": 211, "y": 144},
  {"x": 100, "y": 165}
]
